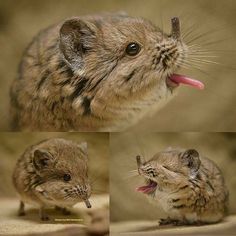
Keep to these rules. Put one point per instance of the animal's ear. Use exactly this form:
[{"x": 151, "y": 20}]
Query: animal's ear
[
  {"x": 42, "y": 159},
  {"x": 191, "y": 159},
  {"x": 84, "y": 147},
  {"x": 76, "y": 38}
]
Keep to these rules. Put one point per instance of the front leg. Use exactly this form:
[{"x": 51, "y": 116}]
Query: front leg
[
  {"x": 43, "y": 216},
  {"x": 21, "y": 210},
  {"x": 166, "y": 221},
  {"x": 169, "y": 221},
  {"x": 65, "y": 211}
]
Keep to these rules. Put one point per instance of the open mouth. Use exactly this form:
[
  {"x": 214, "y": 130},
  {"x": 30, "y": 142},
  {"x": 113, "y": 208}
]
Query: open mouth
[
  {"x": 150, "y": 187},
  {"x": 175, "y": 80}
]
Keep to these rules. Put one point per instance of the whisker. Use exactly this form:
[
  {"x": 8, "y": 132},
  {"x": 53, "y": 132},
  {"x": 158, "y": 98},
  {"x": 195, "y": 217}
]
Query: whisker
[
  {"x": 204, "y": 34},
  {"x": 211, "y": 63},
  {"x": 203, "y": 61},
  {"x": 126, "y": 177},
  {"x": 194, "y": 55}
]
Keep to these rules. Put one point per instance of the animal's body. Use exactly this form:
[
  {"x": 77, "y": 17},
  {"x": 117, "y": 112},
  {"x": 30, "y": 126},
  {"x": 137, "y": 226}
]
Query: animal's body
[
  {"x": 188, "y": 186},
  {"x": 96, "y": 73},
  {"x": 53, "y": 172}
]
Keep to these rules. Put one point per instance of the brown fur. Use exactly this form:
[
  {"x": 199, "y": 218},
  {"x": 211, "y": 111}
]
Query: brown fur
[
  {"x": 190, "y": 188},
  {"x": 76, "y": 75},
  {"x": 39, "y": 175}
]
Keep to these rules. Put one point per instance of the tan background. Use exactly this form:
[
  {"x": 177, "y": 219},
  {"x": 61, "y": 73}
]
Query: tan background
[
  {"x": 12, "y": 145},
  {"x": 208, "y": 110},
  {"x": 129, "y": 205}
]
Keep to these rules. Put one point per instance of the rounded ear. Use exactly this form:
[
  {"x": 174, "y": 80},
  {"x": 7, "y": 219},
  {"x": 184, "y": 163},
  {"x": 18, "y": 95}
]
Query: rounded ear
[
  {"x": 42, "y": 159},
  {"x": 76, "y": 37},
  {"x": 191, "y": 159},
  {"x": 84, "y": 147}
]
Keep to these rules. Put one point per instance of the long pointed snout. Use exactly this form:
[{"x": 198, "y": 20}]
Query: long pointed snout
[
  {"x": 138, "y": 159},
  {"x": 87, "y": 203},
  {"x": 175, "y": 28}
]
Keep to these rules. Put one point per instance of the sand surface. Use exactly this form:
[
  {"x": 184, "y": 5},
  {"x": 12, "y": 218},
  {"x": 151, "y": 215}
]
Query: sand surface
[
  {"x": 11, "y": 224},
  {"x": 133, "y": 228}
]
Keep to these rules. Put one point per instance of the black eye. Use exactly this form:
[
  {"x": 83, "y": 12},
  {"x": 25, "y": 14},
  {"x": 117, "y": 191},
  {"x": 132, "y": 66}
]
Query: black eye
[
  {"x": 133, "y": 49},
  {"x": 67, "y": 177}
]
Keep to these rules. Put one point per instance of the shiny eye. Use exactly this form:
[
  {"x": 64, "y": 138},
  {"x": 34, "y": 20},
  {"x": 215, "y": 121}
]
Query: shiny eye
[
  {"x": 133, "y": 49},
  {"x": 67, "y": 177}
]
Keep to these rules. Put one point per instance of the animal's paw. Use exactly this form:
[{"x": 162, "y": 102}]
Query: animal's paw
[
  {"x": 45, "y": 218},
  {"x": 166, "y": 221},
  {"x": 169, "y": 221}
]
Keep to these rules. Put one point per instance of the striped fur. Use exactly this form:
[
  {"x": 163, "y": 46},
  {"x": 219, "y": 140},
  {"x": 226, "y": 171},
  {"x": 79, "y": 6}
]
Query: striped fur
[
  {"x": 187, "y": 199},
  {"x": 94, "y": 86},
  {"x": 45, "y": 186}
]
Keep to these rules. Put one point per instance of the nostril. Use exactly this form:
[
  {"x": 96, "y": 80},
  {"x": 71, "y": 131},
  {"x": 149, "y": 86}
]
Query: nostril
[{"x": 87, "y": 203}]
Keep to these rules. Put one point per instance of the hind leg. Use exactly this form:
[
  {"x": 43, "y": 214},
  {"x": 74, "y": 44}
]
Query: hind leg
[{"x": 21, "y": 210}]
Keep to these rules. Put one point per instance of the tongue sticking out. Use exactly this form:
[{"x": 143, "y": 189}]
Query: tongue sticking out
[
  {"x": 176, "y": 79},
  {"x": 147, "y": 188},
  {"x": 181, "y": 79}
]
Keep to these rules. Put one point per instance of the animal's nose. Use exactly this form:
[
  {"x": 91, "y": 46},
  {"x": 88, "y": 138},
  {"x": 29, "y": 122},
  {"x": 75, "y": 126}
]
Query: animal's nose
[
  {"x": 175, "y": 28},
  {"x": 87, "y": 203},
  {"x": 138, "y": 159}
]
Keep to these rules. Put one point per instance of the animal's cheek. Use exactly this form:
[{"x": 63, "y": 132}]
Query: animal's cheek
[
  {"x": 161, "y": 176},
  {"x": 167, "y": 182},
  {"x": 53, "y": 186}
]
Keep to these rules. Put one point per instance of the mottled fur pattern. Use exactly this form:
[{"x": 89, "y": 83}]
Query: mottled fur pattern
[
  {"x": 76, "y": 75},
  {"x": 53, "y": 172},
  {"x": 189, "y": 187}
]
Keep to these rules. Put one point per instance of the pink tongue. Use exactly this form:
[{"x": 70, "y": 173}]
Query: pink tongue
[
  {"x": 147, "y": 189},
  {"x": 181, "y": 79}
]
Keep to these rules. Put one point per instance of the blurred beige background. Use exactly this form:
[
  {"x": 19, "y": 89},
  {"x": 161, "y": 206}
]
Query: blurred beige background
[
  {"x": 210, "y": 110},
  {"x": 129, "y": 205},
  {"x": 12, "y": 145}
]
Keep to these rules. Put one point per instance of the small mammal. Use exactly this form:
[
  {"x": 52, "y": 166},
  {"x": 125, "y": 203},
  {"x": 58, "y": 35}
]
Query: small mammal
[
  {"x": 53, "y": 172},
  {"x": 97, "y": 73},
  {"x": 189, "y": 187}
]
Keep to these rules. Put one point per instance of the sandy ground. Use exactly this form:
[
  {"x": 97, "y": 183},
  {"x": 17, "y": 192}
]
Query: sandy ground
[
  {"x": 11, "y": 224},
  {"x": 146, "y": 228}
]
